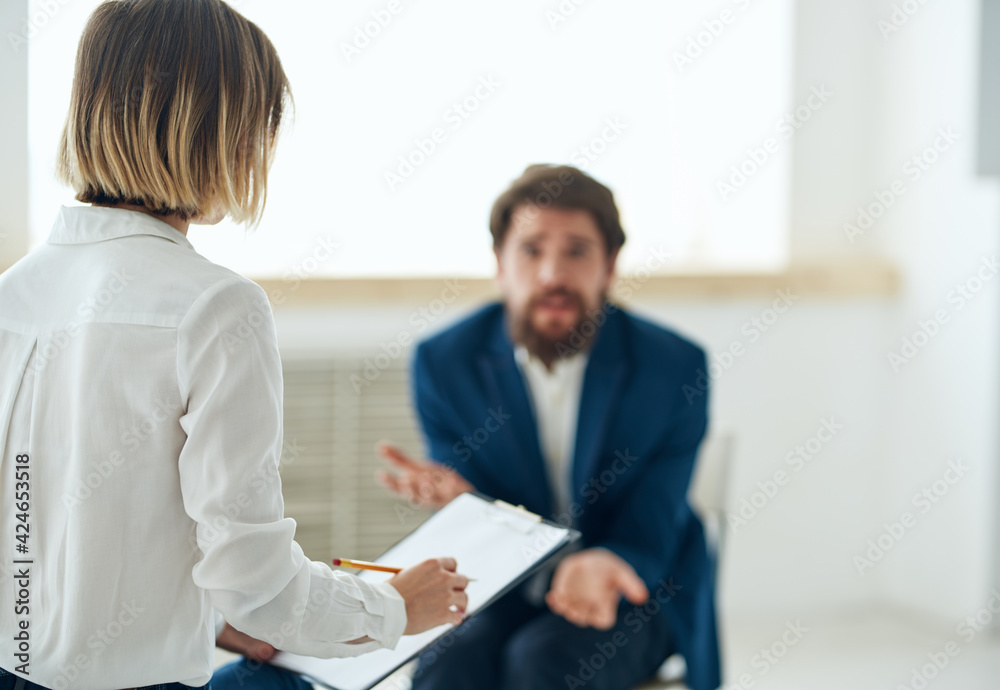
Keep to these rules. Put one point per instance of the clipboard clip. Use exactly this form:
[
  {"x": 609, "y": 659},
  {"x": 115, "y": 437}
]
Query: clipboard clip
[{"x": 516, "y": 517}]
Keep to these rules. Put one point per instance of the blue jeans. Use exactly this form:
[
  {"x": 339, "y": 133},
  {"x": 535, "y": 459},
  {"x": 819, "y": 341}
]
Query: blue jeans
[
  {"x": 254, "y": 675},
  {"x": 8, "y": 681},
  {"x": 239, "y": 675}
]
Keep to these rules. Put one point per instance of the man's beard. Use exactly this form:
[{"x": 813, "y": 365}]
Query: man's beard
[{"x": 547, "y": 348}]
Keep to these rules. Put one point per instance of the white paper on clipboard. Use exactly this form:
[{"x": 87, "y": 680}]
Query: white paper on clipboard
[{"x": 495, "y": 544}]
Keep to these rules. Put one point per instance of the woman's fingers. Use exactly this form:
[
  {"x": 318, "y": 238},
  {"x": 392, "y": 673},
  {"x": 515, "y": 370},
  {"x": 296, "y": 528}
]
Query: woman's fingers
[
  {"x": 233, "y": 640},
  {"x": 460, "y": 600}
]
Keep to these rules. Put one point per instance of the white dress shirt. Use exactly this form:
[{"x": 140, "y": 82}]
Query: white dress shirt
[
  {"x": 143, "y": 384},
  {"x": 555, "y": 396}
]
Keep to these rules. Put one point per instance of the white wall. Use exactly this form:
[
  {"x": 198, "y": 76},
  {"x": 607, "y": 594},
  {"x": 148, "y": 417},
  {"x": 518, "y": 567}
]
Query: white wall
[
  {"x": 944, "y": 405},
  {"x": 794, "y": 557},
  {"x": 901, "y": 87},
  {"x": 13, "y": 125},
  {"x": 824, "y": 357},
  {"x": 892, "y": 94},
  {"x": 827, "y": 358}
]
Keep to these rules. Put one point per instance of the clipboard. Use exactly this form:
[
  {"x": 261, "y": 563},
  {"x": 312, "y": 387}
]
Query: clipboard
[{"x": 496, "y": 544}]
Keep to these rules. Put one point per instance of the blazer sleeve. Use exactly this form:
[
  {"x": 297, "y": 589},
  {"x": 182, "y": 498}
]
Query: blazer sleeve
[
  {"x": 432, "y": 411},
  {"x": 649, "y": 528}
]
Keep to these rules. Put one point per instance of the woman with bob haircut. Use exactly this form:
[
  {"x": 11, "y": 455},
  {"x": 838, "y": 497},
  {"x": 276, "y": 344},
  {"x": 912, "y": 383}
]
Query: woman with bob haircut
[{"x": 141, "y": 392}]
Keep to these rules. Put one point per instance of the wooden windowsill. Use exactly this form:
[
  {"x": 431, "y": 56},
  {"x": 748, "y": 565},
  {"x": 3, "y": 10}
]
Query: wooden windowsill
[
  {"x": 835, "y": 279},
  {"x": 853, "y": 278}
]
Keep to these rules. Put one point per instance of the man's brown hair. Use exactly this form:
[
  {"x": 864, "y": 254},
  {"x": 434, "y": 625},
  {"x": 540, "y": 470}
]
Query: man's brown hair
[
  {"x": 561, "y": 186},
  {"x": 176, "y": 106}
]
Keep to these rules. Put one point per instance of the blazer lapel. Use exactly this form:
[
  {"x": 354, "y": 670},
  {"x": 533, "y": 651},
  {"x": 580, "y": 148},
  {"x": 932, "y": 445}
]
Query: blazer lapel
[
  {"x": 524, "y": 469},
  {"x": 602, "y": 390}
]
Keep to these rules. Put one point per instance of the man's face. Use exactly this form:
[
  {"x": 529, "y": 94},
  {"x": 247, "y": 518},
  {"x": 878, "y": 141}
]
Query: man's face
[{"x": 553, "y": 268}]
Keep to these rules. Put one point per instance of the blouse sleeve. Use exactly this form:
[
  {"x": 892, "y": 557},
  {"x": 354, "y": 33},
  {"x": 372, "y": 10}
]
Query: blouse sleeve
[{"x": 257, "y": 576}]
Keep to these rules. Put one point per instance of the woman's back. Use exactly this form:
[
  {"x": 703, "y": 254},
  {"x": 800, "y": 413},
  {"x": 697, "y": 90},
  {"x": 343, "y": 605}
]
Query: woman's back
[
  {"x": 140, "y": 386},
  {"x": 108, "y": 327}
]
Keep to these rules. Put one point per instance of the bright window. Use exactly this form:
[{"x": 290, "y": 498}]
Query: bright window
[{"x": 412, "y": 115}]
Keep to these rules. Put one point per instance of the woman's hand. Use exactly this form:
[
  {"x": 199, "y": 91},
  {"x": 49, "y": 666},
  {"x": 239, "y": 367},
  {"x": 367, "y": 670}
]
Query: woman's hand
[
  {"x": 232, "y": 640},
  {"x": 434, "y": 594}
]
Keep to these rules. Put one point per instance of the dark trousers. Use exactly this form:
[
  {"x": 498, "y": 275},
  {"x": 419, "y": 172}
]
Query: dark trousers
[
  {"x": 514, "y": 645},
  {"x": 254, "y": 675},
  {"x": 8, "y": 681}
]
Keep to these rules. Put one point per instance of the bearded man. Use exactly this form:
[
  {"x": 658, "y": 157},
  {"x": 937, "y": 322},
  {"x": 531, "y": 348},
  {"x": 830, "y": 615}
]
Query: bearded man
[{"x": 557, "y": 400}]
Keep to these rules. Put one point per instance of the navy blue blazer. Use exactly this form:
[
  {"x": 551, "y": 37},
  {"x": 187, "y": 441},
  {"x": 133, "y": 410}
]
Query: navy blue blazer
[{"x": 637, "y": 438}]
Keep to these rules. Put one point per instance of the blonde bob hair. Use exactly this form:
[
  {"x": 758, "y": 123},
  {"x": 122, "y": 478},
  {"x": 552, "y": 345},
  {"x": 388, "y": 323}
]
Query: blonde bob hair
[{"x": 176, "y": 107}]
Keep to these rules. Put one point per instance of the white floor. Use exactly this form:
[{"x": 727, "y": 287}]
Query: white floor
[{"x": 873, "y": 651}]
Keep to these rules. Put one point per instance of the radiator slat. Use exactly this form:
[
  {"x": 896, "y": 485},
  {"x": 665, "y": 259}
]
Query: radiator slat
[{"x": 329, "y": 487}]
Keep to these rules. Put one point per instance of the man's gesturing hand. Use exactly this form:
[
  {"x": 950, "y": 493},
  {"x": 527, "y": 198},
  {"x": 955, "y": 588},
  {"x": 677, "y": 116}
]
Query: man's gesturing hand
[
  {"x": 427, "y": 484},
  {"x": 588, "y": 585},
  {"x": 434, "y": 594}
]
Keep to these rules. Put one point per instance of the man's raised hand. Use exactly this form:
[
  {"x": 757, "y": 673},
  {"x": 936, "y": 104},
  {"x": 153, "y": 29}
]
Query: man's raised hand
[{"x": 427, "y": 484}]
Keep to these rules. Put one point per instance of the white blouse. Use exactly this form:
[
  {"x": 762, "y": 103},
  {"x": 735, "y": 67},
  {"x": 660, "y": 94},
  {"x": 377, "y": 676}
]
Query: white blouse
[{"x": 140, "y": 430}]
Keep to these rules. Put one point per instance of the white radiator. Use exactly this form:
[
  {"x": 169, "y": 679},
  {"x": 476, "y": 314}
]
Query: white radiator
[{"x": 328, "y": 467}]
